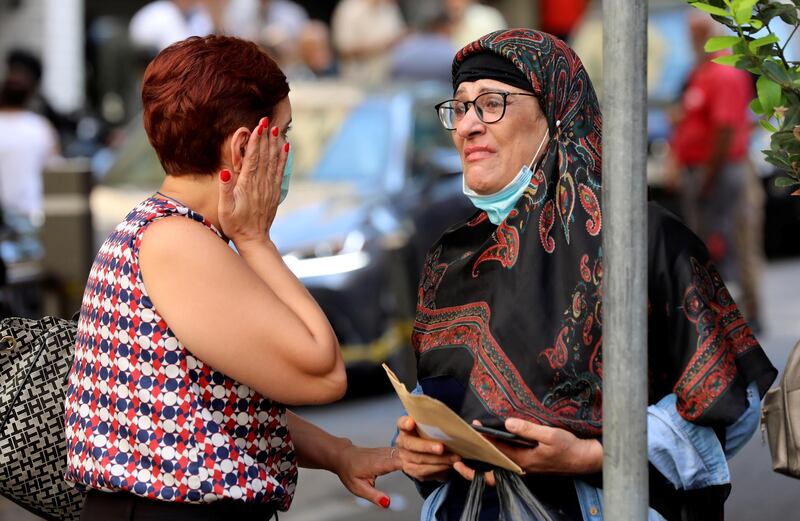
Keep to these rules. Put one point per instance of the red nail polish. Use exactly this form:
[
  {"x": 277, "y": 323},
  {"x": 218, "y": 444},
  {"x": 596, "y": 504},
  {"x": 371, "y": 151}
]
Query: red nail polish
[
  {"x": 275, "y": 131},
  {"x": 286, "y": 148},
  {"x": 260, "y": 130},
  {"x": 384, "y": 502},
  {"x": 225, "y": 175}
]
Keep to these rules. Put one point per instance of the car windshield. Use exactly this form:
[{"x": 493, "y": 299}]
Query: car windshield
[{"x": 358, "y": 152}]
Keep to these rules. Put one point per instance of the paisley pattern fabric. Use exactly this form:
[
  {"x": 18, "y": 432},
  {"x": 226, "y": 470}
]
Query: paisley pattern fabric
[{"x": 513, "y": 313}]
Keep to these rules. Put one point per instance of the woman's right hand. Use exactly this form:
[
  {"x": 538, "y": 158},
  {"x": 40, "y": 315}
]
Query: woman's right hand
[
  {"x": 423, "y": 460},
  {"x": 249, "y": 200}
]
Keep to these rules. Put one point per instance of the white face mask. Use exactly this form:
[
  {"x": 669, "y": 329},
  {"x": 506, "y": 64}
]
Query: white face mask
[{"x": 499, "y": 204}]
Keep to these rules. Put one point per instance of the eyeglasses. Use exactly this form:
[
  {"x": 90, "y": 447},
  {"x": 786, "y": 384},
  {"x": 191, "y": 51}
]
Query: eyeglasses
[{"x": 489, "y": 106}]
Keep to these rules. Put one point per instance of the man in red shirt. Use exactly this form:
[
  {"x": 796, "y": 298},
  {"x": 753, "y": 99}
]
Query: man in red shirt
[
  {"x": 709, "y": 147},
  {"x": 558, "y": 17}
]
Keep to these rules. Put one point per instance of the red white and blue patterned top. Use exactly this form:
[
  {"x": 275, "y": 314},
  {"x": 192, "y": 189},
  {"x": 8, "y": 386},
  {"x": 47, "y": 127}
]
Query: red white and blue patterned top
[{"x": 145, "y": 416}]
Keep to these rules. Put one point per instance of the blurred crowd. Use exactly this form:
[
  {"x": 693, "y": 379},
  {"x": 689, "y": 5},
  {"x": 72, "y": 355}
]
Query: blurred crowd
[
  {"x": 371, "y": 43},
  {"x": 363, "y": 42},
  {"x": 367, "y": 41}
]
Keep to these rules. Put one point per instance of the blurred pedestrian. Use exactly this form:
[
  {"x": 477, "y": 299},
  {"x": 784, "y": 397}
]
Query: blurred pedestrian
[
  {"x": 164, "y": 22},
  {"x": 27, "y": 140},
  {"x": 426, "y": 52},
  {"x": 20, "y": 62},
  {"x": 188, "y": 350},
  {"x": 559, "y": 17},
  {"x": 509, "y": 323},
  {"x": 315, "y": 58},
  {"x": 709, "y": 146},
  {"x": 471, "y": 20},
  {"x": 364, "y": 32},
  {"x": 749, "y": 237},
  {"x": 266, "y": 22}
]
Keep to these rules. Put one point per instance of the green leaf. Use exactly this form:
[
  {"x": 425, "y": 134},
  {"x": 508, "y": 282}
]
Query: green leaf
[
  {"x": 728, "y": 59},
  {"x": 784, "y": 138},
  {"x": 710, "y": 9},
  {"x": 773, "y": 9},
  {"x": 766, "y": 125},
  {"x": 718, "y": 43},
  {"x": 744, "y": 4},
  {"x": 776, "y": 159},
  {"x": 776, "y": 70},
  {"x": 766, "y": 40},
  {"x": 783, "y": 182},
  {"x": 789, "y": 15},
  {"x": 744, "y": 11},
  {"x": 792, "y": 116},
  {"x": 756, "y": 107},
  {"x": 769, "y": 94},
  {"x": 740, "y": 47}
]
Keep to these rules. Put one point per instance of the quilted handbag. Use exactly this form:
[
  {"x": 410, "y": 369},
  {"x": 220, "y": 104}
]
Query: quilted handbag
[
  {"x": 35, "y": 359},
  {"x": 780, "y": 417}
]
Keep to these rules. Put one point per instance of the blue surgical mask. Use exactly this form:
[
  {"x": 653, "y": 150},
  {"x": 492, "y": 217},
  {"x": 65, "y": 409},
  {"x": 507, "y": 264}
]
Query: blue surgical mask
[
  {"x": 499, "y": 204},
  {"x": 287, "y": 175}
]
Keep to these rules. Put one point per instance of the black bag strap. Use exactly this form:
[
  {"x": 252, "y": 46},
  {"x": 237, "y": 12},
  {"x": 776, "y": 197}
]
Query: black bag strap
[{"x": 12, "y": 343}]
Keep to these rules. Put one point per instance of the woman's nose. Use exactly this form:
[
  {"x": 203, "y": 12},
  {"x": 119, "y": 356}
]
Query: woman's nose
[{"x": 470, "y": 124}]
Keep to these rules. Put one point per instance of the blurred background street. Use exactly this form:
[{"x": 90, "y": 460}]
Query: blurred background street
[{"x": 376, "y": 179}]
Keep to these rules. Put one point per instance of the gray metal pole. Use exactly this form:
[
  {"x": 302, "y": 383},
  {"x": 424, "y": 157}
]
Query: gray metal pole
[{"x": 625, "y": 483}]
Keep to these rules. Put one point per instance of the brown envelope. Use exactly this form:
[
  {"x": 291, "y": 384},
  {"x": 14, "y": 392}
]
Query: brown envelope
[{"x": 435, "y": 421}]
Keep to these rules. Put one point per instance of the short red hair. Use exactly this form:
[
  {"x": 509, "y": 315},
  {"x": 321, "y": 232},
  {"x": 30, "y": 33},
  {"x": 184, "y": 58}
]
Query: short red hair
[{"x": 198, "y": 91}]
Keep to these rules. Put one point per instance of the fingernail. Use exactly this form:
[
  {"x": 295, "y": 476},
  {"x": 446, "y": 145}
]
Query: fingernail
[
  {"x": 275, "y": 131},
  {"x": 225, "y": 175},
  {"x": 260, "y": 130},
  {"x": 264, "y": 122},
  {"x": 384, "y": 502},
  {"x": 513, "y": 423},
  {"x": 286, "y": 148}
]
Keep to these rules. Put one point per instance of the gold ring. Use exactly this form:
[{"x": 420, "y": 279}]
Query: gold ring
[{"x": 11, "y": 341}]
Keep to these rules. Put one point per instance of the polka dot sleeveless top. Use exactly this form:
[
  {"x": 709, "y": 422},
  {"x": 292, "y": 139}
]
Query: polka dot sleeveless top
[{"x": 145, "y": 416}]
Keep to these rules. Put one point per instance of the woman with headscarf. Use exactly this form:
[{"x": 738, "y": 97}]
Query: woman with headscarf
[{"x": 508, "y": 328}]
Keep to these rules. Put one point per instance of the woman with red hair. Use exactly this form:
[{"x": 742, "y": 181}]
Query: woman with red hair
[{"x": 187, "y": 351}]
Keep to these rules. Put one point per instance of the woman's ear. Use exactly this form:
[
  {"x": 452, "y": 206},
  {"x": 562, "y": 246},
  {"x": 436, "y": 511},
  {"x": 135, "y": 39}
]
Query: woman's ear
[{"x": 237, "y": 147}]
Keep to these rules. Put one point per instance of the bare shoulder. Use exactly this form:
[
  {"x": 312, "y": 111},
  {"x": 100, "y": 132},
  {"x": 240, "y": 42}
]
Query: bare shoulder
[
  {"x": 177, "y": 253},
  {"x": 179, "y": 236}
]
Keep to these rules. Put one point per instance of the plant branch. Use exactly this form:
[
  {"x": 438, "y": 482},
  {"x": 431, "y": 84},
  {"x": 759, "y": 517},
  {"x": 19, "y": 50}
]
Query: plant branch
[
  {"x": 769, "y": 30},
  {"x": 783, "y": 48}
]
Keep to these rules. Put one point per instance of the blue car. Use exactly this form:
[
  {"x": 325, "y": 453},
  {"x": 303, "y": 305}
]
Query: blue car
[{"x": 355, "y": 230}]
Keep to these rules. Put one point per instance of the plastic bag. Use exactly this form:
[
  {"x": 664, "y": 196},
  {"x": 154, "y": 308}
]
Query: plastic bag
[{"x": 517, "y": 502}]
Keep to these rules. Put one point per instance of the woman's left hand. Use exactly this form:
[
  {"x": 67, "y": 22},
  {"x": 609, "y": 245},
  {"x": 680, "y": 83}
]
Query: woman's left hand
[
  {"x": 359, "y": 467},
  {"x": 558, "y": 452}
]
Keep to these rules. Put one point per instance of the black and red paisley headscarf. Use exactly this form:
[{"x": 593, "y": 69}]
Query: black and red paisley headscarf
[{"x": 512, "y": 313}]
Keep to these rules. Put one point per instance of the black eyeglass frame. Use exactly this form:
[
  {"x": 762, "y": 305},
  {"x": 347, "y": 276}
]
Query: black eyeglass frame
[{"x": 478, "y": 111}]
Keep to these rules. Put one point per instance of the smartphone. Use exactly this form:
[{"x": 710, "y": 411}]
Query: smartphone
[{"x": 505, "y": 436}]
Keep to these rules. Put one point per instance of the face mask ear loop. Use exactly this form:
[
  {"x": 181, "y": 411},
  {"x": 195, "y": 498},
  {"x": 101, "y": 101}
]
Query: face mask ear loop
[{"x": 547, "y": 134}]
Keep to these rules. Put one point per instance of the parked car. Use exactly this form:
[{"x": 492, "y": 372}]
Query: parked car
[
  {"x": 357, "y": 228},
  {"x": 376, "y": 182}
]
